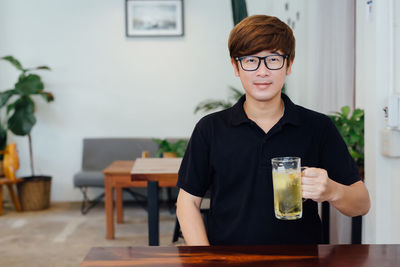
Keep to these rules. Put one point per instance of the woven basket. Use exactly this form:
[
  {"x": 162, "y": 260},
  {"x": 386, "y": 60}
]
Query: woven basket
[{"x": 34, "y": 193}]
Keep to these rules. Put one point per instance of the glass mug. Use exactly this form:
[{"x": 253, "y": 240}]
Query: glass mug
[{"x": 286, "y": 178}]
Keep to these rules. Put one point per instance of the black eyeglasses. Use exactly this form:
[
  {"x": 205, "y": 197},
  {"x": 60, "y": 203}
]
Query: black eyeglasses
[{"x": 252, "y": 63}]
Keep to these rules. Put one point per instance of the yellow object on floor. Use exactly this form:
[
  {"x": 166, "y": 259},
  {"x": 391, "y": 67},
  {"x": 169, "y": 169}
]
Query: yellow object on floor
[{"x": 10, "y": 165}]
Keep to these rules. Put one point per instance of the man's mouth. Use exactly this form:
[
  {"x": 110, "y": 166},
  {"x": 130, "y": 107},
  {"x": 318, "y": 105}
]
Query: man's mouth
[{"x": 262, "y": 84}]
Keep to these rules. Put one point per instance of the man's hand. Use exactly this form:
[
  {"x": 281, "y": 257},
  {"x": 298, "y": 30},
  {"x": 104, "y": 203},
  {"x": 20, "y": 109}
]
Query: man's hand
[
  {"x": 351, "y": 200},
  {"x": 318, "y": 186}
]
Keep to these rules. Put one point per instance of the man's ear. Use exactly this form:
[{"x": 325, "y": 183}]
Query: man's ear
[
  {"x": 235, "y": 67},
  {"x": 289, "y": 68}
]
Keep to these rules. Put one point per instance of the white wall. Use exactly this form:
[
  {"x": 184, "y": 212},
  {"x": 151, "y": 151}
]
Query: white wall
[
  {"x": 108, "y": 85},
  {"x": 381, "y": 224}
]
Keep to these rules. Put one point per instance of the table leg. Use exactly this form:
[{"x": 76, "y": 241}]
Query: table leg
[
  {"x": 109, "y": 197},
  {"x": 356, "y": 223},
  {"x": 153, "y": 213},
  {"x": 119, "y": 204}
]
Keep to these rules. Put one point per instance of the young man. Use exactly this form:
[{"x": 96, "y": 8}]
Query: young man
[{"x": 230, "y": 152}]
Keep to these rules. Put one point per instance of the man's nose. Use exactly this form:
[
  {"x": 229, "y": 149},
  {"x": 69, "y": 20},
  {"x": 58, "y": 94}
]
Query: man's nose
[{"x": 263, "y": 70}]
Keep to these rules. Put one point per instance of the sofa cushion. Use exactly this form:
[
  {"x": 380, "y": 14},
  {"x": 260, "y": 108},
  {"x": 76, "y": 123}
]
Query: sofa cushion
[{"x": 89, "y": 179}]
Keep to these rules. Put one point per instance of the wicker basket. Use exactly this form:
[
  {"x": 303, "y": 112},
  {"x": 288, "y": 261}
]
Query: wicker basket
[{"x": 34, "y": 193}]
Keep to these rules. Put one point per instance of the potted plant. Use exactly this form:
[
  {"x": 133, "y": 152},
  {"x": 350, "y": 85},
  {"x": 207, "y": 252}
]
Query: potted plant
[
  {"x": 351, "y": 128},
  {"x": 19, "y": 102},
  {"x": 169, "y": 149}
]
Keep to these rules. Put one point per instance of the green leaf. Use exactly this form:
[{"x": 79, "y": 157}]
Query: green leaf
[
  {"x": 10, "y": 107},
  {"x": 345, "y": 111},
  {"x": 354, "y": 138},
  {"x": 5, "y": 96},
  {"x": 3, "y": 139},
  {"x": 235, "y": 94},
  {"x": 38, "y": 68},
  {"x": 357, "y": 114},
  {"x": 22, "y": 120},
  {"x": 209, "y": 105},
  {"x": 14, "y": 62},
  {"x": 30, "y": 84},
  {"x": 43, "y": 68}
]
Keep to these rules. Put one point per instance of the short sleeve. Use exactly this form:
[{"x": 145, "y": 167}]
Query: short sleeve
[
  {"x": 335, "y": 157},
  {"x": 194, "y": 174}
]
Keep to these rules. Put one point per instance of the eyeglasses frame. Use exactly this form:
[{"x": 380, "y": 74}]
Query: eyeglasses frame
[{"x": 259, "y": 62}]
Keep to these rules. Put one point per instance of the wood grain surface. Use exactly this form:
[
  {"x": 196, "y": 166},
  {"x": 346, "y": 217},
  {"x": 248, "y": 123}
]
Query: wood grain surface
[{"x": 291, "y": 255}]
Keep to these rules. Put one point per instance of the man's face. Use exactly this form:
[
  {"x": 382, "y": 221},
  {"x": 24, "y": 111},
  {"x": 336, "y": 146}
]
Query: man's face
[{"x": 262, "y": 84}]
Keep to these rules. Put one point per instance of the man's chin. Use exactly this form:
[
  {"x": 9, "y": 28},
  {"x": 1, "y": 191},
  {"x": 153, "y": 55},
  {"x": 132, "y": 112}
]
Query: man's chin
[{"x": 265, "y": 97}]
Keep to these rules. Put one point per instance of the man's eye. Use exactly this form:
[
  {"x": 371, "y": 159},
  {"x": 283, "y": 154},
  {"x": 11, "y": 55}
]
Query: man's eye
[
  {"x": 273, "y": 59},
  {"x": 250, "y": 60}
]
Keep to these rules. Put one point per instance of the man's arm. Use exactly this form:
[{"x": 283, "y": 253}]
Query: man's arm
[
  {"x": 190, "y": 219},
  {"x": 351, "y": 200}
]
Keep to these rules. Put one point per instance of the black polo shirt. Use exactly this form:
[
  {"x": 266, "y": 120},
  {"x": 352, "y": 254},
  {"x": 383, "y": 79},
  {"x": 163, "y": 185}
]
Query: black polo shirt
[{"x": 231, "y": 155}]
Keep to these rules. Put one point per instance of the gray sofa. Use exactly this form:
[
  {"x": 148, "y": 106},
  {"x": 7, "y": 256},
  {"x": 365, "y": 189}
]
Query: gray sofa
[{"x": 98, "y": 153}]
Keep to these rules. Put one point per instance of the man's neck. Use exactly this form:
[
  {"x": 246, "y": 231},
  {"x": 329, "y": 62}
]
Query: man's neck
[{"x": 264, "y": 111}]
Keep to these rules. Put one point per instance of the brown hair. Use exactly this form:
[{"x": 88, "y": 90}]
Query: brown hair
[{"x": 260, "y": 32}]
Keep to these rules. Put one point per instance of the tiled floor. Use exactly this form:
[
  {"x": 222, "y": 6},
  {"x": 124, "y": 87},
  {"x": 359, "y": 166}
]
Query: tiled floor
[{"x": 62, "y": 236}]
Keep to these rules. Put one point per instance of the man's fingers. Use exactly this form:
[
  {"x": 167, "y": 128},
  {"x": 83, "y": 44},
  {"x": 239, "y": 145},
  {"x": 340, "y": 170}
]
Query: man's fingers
[
  {"x": 308, "y": 195},
  {"x": 308, "y": 188},
  {"x": 311, "y": 172},
  {"x": 307, "y": 181}
]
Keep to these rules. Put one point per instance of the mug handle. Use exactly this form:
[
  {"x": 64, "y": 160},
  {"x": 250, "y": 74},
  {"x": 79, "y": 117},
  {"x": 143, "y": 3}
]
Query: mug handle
[{"x": 302, "y": 169}]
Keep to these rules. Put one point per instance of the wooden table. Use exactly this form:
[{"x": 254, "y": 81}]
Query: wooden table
[
  {"x": 294, "y": 255},
  {"x": 118, "y": 176},
  {"x": 158, "y": 172}
]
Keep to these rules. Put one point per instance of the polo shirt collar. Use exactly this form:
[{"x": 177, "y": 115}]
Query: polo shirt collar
[{"x": 291, "y": 115}]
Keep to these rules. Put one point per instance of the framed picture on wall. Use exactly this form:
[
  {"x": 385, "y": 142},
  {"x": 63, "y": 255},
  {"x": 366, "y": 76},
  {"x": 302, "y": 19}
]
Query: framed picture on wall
[{"x": 154, "y": 18}]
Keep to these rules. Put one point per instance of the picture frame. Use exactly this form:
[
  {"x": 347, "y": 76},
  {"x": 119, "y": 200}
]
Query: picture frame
[{"x": 153, "y": 18}]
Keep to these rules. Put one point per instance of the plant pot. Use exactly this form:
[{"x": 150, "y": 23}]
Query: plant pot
[
  {"x": 34, "y": 192},
  {"x": 169, "y": 155}
]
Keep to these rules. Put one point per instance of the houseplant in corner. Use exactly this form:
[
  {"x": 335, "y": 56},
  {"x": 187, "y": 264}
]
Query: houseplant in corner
[
  {"x": 351, "y": 128},
  {"x": 19, "y": 101},
  {"x": 169, "y": 149}
]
